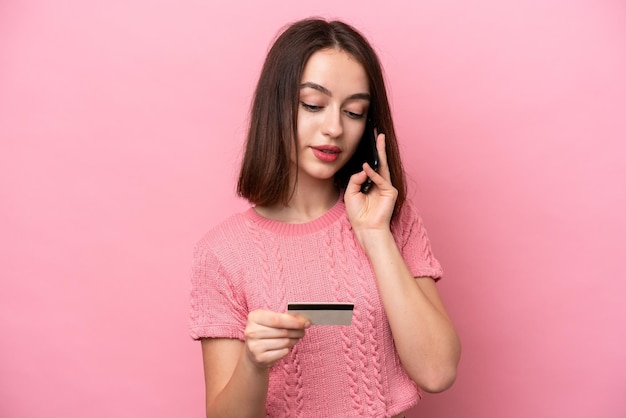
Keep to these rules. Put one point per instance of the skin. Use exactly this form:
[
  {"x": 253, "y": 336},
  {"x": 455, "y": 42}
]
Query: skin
[{"x": 334, "y": 100}]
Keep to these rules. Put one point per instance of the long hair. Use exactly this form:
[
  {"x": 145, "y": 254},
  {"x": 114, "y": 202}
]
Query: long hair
[{"x": 264, "y": 175}]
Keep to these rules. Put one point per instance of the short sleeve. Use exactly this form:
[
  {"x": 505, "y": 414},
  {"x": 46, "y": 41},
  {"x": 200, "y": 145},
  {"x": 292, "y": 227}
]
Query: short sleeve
[
  {"x": 216, "y": 309},
  {"x": 414, "y": 244}
]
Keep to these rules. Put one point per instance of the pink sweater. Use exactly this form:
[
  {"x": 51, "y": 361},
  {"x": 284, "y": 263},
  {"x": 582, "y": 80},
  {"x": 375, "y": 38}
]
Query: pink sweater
[{"x": 249, "y": 262}]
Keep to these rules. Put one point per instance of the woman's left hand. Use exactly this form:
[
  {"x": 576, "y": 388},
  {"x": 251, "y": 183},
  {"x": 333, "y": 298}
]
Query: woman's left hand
[{"x": 371, "y": 212}]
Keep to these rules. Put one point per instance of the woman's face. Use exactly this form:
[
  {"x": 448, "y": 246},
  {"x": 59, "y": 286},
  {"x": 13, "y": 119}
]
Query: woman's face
[{"x": 332, "y": 110}]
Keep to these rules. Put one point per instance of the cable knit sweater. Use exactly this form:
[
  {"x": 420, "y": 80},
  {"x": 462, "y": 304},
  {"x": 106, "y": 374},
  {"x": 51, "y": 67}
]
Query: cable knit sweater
[{"x": 249, "y": 262}]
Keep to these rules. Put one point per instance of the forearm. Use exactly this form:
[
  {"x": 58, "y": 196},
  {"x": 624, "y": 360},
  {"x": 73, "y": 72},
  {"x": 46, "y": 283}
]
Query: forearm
[
  {"x": 245, "y": 393},
  {"x": 425, "y": 338}
]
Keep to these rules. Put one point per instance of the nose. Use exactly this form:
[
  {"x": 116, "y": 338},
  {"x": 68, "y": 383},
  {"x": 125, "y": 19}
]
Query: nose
[{"x": 332, "y": 125}]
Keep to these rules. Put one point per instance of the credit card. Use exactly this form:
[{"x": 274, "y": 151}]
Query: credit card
[{"x": 323, "y": 313}]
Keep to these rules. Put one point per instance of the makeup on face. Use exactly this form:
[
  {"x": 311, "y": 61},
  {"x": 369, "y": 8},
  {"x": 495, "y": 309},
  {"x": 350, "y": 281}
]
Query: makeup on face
[{"x": 334, "y": 100}]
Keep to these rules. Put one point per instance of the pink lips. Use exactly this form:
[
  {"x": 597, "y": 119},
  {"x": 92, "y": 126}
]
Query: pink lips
[{"x": 326, "y": 153}]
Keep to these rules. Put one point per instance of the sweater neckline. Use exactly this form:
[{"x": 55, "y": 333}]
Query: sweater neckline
[{"x": 285, "y": 228}]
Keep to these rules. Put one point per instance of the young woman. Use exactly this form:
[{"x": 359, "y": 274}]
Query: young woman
[{"x": 313, "y": 236}]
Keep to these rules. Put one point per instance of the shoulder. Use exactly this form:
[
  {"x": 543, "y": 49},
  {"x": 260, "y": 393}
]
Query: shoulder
[
  {"x": 230, "y": 232},
  {"x": 409, "y": 226}
]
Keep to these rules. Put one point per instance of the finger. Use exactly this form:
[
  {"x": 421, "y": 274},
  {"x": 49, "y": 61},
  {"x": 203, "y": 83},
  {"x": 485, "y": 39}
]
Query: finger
[
  {"x": 355, "y": 182},
  {"x": 383, "y": 166},
  {"x": 278, "y": 320},
  {"x": 267, "y": 352},
  {"x": 307, "y": 321},
  {"x": 268, "y": 358},
  {"x": 380, "y": 181},
  {"x": 259, "y": 332},
  {"x": 271, "y": 344}
]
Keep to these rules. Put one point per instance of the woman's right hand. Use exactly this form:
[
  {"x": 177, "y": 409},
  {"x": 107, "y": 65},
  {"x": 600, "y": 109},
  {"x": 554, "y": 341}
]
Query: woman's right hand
[{"x": 270, "y": 335}]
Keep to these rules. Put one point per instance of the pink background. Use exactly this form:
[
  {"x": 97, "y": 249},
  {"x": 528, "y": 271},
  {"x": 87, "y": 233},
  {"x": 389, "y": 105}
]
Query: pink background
[{"x": 121, "y": 125}]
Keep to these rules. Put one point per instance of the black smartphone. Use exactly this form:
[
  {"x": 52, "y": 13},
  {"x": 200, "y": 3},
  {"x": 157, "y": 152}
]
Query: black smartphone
[{"x": 367, "y": 148}]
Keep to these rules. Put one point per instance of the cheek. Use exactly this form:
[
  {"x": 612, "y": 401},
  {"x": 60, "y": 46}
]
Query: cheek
[
  {"x": 353, "y": 142},
  {"x": 306, "y": 125},
  {"x": 301, "y": 133}
]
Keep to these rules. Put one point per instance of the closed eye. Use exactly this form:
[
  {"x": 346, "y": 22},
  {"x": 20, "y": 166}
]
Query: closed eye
[
  {"x": 310, "y": 107},
  {"x": 355, "y": 115}
]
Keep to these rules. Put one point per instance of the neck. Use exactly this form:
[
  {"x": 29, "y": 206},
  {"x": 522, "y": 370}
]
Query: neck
[{"x": 306, "y": 204}]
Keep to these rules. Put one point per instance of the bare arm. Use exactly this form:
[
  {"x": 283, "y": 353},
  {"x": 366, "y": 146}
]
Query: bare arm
[
  {"x": 425, "y": 338},
  {"x": 234, "y": 387},
  {"x": 236, "y": 373}
]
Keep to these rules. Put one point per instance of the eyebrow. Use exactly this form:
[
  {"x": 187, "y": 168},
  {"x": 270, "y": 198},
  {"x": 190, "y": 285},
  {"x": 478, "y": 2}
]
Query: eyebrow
[{"x": 324, "y": 90}]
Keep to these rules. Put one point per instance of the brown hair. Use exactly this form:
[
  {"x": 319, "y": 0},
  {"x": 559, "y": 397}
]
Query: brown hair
[{"x": 264, "y": 174}]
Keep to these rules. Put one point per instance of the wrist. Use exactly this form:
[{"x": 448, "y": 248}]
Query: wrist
[{"x": 375, "y": 241}]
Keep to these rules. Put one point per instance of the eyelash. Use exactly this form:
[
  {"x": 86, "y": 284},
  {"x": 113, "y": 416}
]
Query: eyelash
[
  {"x": 314, "y": 108},
  {"x": 310, "y": 107},
  {"x": 356, "y": 115}
]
